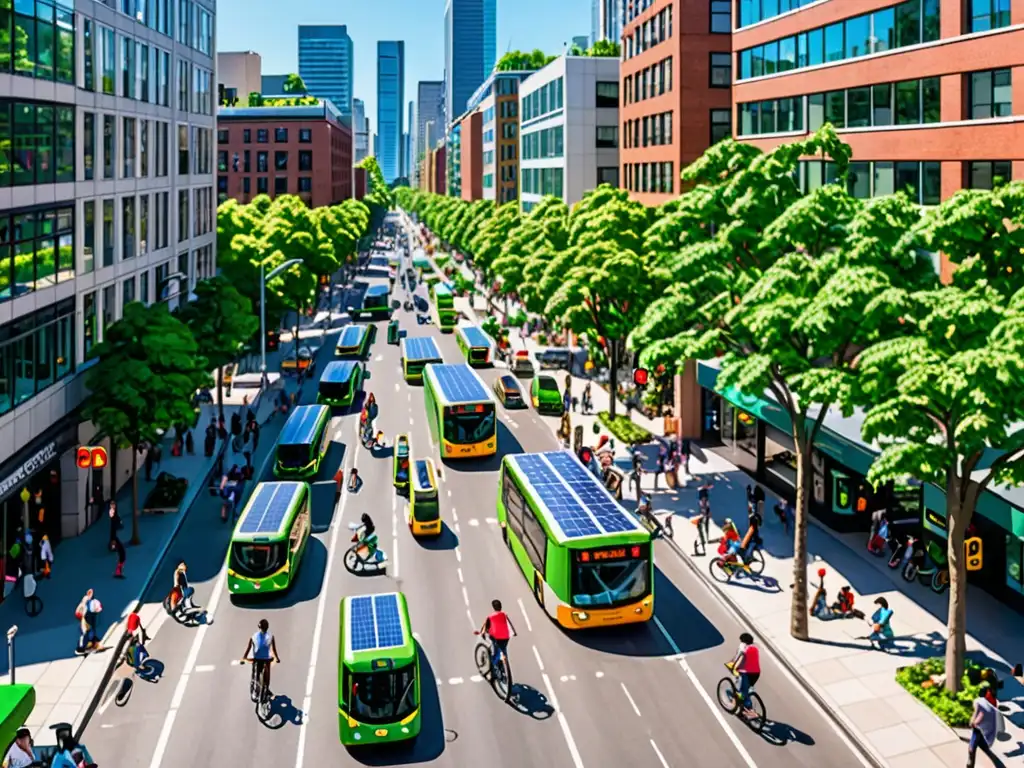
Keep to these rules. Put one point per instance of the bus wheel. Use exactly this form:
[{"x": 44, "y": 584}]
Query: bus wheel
[
  {"x": 538, "y": 590},
  {"x": 504, "y": 536}
]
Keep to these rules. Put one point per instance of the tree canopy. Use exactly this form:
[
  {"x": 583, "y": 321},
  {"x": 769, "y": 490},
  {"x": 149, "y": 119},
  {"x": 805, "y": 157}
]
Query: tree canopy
[
  {"x": 520, "y": 61},
  {"x": 293, "y": 83}
]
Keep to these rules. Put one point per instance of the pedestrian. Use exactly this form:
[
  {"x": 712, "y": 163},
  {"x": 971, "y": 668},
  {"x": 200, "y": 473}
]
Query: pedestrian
[
  {"x": 659, "y": 465},
  {"x": 118, "y": 547},
  {"x": 986, "y": 725},
  {"x": 685, "y": 450},
  {"x": 881, "y": 626},
  {"x": 158, "y": 455},
  {"x": 20, "y": 755},
  {"x": 137, "y": 639},
  {"x": 46, "y": 556},
  {"x": 190, "y": 443},
  {"x": 575, "y": 402},
  {"x": 87, "y": 614},
  {"x": 236, "y": 424},
  {"x": 255, "y": 436},
  {"x": 210, "y": 440},
  {"x": 116, "y": 524},
  {"x": 222, "y": 431},
  {"x": 638, "y": 469}
]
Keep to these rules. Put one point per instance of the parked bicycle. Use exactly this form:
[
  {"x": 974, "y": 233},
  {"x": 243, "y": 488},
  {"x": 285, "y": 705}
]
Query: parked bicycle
[{"x": 732, "y": 702}]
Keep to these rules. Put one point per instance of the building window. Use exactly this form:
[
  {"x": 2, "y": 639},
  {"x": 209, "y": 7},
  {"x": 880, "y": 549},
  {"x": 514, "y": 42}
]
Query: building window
[
  {"x": 223, "y": 136},
  {"x": 607, "y": 136},
  {"x": 991, "y": 94},
  {"x": 127, "y": 292},
  {"x": 108, "y": 59},
  {"x": 129, "y": 148},
  {"x": 108, "y": 233},
  {"x": 305, "y": 184},
  {"x": 989, "y": 14},
  {"x": 183, "y": 161},
  {"x": 721, "y": 125},
  {"x": 88, "y": 236},
  {"x": 305, "y": 160},
  {"x": 261, "y": 136},
  {"x": 305, "y": 136},
  {"x": 36, "y": 250},
  {"x": 144, "y": 73},
  {"x": 109, "y": 131},
  {"x": 246, "y": 136},
  {"x": 222, "y": 161},
  {"x": 36, "y": 143},
  {"x": 88, "y": 322},
  {"x": 128, "y": 69},
  {"x": 607, "y": 95},
  {"x": 37, "y": 350},
  {"x": 144, "y": 287},
  {"x": 143, "y": 223},
  {"x": 281, "y": 135},
  {"x": 246, "y": 185},
  {"x": 608, "y": 175},
  {"x": 127, "y": 228},
  {"x": 721, "y": 70},
  {"x": 988, "y": 174},
  {"x": 280, "y": 185},
  {"x": 88, "y": 55},
  {"x": 261, "y": 162},
  {"x": 246, "y": 161},
  {"x": 281, "y": 161},
  {"x": 182, "y": 215},
  {"x": 261, "y": 185},
  {"x": 721, "y": 16},
  {"x": 144, "y": 149}
]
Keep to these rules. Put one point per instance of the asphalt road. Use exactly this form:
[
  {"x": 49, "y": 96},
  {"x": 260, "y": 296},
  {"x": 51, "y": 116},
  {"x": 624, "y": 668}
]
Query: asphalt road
[{"x": 639, "y": 696}]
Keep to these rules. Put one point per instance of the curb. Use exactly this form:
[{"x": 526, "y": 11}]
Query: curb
[{"x": 838, "y": 718}]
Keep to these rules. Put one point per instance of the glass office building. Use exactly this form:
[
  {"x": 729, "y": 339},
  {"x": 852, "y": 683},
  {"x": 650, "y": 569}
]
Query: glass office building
[
  {"x": 470, "y": 50},
  {"x": 390, "y": 107},
  {"x": 325, "y": 63}
]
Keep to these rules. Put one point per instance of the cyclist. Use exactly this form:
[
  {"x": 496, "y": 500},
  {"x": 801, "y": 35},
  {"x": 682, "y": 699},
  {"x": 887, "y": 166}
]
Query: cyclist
[
  {"x": 137, "y": 637},
  {"x": 264, "y": 649},
  {"x": 497, "y": 626},
  {"x": 747, "y": 665},
  {"x": 185, "y": 592},
  {"x": 366, "y": 533}
]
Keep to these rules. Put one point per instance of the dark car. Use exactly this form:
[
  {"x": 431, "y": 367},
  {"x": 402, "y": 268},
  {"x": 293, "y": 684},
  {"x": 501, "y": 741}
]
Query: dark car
[
  {"x": 508, "y": 391},
  {"x": 554, "y": 358}
]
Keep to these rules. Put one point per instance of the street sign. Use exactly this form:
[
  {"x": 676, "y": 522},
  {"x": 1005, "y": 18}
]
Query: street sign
[{"x": 92, "y": 457}]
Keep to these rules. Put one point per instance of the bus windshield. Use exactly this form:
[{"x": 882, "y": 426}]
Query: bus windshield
[
  {"x": 293, "y": 456},
  {"x": 334, "y": 389},
  {"x": 383, "y": 697},
  {"x": 605, "y": 584},
  {"x": 478, "y": 355},
  {"x": 257, "y": 560},
  {"x": 414, "y": 369},
  {"x": 425, "y": 509},
  {"x": 375, "y": 302},
  {"x": 465, "y": 428}
]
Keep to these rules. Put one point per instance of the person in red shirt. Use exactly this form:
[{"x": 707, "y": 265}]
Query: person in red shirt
[
  {"x": 136, "y": 633},
  {"x": 748, "y": 665},
  {"x": 498, "y": 626}
]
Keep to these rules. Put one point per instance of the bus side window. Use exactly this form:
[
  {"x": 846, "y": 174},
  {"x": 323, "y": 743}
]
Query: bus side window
[
  {"x": 301, "y": 524},
  {"x": 513, "y": 502},
  {"x": 536, "y": 541}
]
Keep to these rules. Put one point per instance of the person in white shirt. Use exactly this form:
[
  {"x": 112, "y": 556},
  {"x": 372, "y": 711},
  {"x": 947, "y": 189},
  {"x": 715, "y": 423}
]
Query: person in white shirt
[{"x": 20, "y": 755}]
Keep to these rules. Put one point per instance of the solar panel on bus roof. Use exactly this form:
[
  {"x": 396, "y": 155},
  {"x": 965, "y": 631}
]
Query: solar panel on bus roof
[
  {"x": 377, "y": 290},
  {"x": 421, "y": 348},
  {"x": 422, "y": 473},
  {"x": 459, "y": 384},
  {"x": 338, "y": 371},
  {"x": 268, "y": 508},
  {"x": 566, "y": 510},
  {"x": 351, "y": 336},
  {"x": 298, "y": 430},
  {"x": 609, "y": 515},
  {"x": 475, "y": 337},
  {"x": 375, "y": 622}
]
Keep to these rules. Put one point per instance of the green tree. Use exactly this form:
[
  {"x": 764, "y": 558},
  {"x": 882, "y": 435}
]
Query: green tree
[
  {"x": 605, "y": 48},
  {"x": 491, "y": 238},
  {"x": 520, "y": 61},
  {"x": 294, "y": 84},
  {"x": 944, "y": 401},
  {"x": 542, "y": 234},
  {"x": 221, "y": 320},
  {"x": 147, "y": 372},
  {"x": 255, "y": 99}
]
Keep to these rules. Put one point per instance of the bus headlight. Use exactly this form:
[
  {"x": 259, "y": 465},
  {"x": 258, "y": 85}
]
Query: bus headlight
[
  {"x": 357, "y": 735},
  {"x": 582, "y": 616}
]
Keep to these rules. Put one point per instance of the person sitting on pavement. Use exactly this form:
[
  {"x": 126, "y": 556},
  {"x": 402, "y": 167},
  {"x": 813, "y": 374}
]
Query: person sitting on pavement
[
  {"x": 20, "y": 755},
  {"x": 881, "y": 627},
  {"x": 843, "y": 606}
]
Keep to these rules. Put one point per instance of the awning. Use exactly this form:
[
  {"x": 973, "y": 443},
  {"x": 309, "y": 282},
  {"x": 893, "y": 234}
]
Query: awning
[{"x": 16, "y": 704}]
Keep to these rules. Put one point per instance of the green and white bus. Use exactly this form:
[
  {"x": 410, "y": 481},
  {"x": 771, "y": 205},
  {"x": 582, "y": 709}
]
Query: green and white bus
[
  {"x": 376, "y": 303},
  {"x": 303, "y": 443},
  {"x": 589, "y": 561},
  {"x": 475, "y": 345},
  {"x": 379, "y": 686},
  {"x": 269, "y": 539},
  {"x": 341, "y": 382},
  {"x": 460, "y": 411},
  {"x": 354, "y": 341},
  {"x": 16, "y": 705},
  {"x": 444, "y": 308},
  {"x": 417, "y": 352}
]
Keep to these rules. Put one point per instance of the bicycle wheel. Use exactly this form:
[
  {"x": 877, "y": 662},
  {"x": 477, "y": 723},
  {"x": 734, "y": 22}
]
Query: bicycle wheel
[
  {"x": 482, "y": 655},
  {"x": 254, "y": 686},
  {"x": 352, "y": 563},
  {"x": 720, "y": 570},
  {"x": 263, "y": 707},
  {"x": 760, "y": 717},
  {"x": 756, "y": 563},
  {"x": 503, "y": 678},
  {"x": 727, "y": 695}
]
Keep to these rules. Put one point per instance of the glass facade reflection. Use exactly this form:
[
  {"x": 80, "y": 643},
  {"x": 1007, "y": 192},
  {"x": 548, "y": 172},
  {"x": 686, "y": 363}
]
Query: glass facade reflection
[
  {"x": 470, "y": 51},
  {"x": 390, "y": 100}
]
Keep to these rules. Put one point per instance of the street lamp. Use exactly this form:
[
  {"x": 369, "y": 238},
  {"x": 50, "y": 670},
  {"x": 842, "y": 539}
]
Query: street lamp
[{"x": 263, "y": 312}]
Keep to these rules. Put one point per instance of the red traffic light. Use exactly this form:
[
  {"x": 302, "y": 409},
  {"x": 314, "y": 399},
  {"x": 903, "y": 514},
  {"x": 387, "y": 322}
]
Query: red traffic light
[
  {"x": 91, "y": 457},
  {"x": 640, "y": 377}
]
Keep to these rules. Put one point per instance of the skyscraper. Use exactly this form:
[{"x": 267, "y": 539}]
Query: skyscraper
[
  {"x": 606, "y": 20},
  {"x": 470, "y": 50},
  {"x": 360, "y": 131},
  {"x": 390, "y": 99},
  {"x": 429, "y": 107},
  {"x": 325, "y": 63},
  {"x": 410, "y": 139}
]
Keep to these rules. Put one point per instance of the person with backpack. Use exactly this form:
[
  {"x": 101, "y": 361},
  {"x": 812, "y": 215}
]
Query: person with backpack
[{"x": 87, "y": 613}]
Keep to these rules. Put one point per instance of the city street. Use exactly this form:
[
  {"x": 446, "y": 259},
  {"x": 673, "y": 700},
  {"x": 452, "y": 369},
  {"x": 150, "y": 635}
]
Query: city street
[{"x": 641, "y": 696}]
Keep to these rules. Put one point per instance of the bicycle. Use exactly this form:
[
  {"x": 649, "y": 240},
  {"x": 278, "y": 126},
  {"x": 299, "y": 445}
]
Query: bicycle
[
  {"x": 258, "y": 690},
  {"x": 722, "y": 570},
  {"x": 732, "y": 702},
  {"x": 499, "y": 673}
]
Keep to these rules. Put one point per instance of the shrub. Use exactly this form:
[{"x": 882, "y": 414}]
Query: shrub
[
  {"x": 954, "y": 709},
  {"x": 442, "y": 260},
  {"x": 624, "y": 429},
  {"x": 167, "y": 495}
]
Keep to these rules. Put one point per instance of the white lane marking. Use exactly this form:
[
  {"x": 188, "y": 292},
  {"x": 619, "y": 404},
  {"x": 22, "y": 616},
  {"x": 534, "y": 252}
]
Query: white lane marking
[
  {"x": 408, "y": 396},
  {"x": 457, "y": 528},
  {"x": 394, "y": 504},
  {"x": 450, "y": 495},
  {"x": 205, "y": 668},
  {"x": 394, "y": 524},
  {"x": 476, "y": 679},
  {"x": 564, "y": 679},
  {"x": 474, "y": 523},
  {"x": 492, "y": 521},
  {"x": 190, "y": 662},
  {"x": 599, "y": 674},
  {"x": 668, "y": 637},
  {"x": 396, "y": 386},
  {"x": 717, "y": 712},
  {"x": 632, "y": 703},
  {"x": 470, "y": 617},
  {"x": 458, "y": 554},
  {"x": 411, "y": 421},
  {"x": 455, "y": 681},
  {"x": 455, "y": 517},
  {"x": 661, "y": 757},
  {"x": 378, "y": 358},
  {"x": 461, "y": 579},
  {"x": 570, "y": 742},
  {"x": 394, "y": 556},
  {"x": 318, "y": 626},
  {"x": 526, "y": 616},
  {"x": 540, "y": 663},
  {"x": 465, "y": 595}
]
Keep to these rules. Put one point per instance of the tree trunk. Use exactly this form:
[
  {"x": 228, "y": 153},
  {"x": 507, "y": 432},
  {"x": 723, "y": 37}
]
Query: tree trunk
[
  {"x": 798, "y": 612},
  {"x": 613, "y": 378},
  {"x": 957, "y": 518},
  {"x": 135, "y": 496},
  {"x": 220, "y": 392}
]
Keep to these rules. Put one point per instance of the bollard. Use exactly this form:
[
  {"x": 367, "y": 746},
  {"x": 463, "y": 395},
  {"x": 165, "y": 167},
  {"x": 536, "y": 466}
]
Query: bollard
[{"x": 10, "y": 649}]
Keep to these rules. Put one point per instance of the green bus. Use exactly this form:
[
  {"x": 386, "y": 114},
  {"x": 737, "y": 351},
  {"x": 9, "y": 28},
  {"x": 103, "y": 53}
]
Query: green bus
[
  {"x": 376, "y": 303},
  {"x": 444, "y": 308},
  {"x": 354, "y": 341},
  {"x": 589, "y": 561},
  {"x": 269, "y": 539},
  {"x": 378, "y": 671},
  {"x": 460, "y": 412},
  {"x": 16, "y": 705},
  {"x": 475, "y": 345},
  {"x": 303, "y": 443},
  {"x": 340, "y": 382},
  {"x": 417, "y": 352}
]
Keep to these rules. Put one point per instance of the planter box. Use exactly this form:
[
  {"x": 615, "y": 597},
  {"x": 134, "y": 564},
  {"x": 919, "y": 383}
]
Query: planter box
[{"x": 167, "y": 496}]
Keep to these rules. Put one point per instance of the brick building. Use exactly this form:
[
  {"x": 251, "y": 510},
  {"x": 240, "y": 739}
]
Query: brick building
[
  {"x": 276, "y": 150},
  {"x": 471, "y": 151},
  {"x": 675, "y": 95}
]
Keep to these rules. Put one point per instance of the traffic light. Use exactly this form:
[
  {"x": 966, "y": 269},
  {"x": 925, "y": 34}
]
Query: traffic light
[
  {"x": 586, "y": 456},
  {"x": 640, "y": 377},
  {"x": 92, "y": 457}
]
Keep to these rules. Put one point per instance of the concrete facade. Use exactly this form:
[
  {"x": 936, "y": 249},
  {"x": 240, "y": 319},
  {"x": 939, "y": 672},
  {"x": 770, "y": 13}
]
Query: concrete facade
[
  {"x": 240, "y": 72},
  {"x": 471, "y": 150}
]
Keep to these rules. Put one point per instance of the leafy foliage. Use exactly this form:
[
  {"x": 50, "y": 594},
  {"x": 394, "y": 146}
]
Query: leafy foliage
[
  {"x": 624, "y": 429},
  {"x": 293, "y": 83},
  {"x": 519, "y": 61},
  {"x": 955, "y": 709},
  {"x": 605, "y": 48}
]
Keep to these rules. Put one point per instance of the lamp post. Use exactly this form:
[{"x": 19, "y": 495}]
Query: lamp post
[{"x": 263, "y": 313}]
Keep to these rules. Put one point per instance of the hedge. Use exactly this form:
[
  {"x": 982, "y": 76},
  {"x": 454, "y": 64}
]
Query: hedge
[
  {"x": 954, "y": 709},
  {"x": 624, "y": 429}
]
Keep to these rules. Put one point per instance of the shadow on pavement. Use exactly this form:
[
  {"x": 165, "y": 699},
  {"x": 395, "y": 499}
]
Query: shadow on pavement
[
  {"x": 527, "y": 700},
  {"x": 430, "y": 743},
  {"x": 151, "y": 670},
  {"x": 782, "y": 734},
  {"x": 305, "y": 588},
  {"x": 507, "y": 444},
  {"x": 282, "y": 712},
  {"x": 321, "y": 508},
  {"x": 447, "y": 540},
  {"x": 682, "y": 621}
]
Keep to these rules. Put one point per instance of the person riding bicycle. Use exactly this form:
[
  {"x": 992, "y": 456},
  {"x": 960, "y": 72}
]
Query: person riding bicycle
[
  {"x": 264, "y": 650},
  {"x": 136, "y": 654},
  {"x": 183, "y": 597},
  {"x": 498, "y": 626},
  {"x": 366, "y": 534},
  {"x": 747, "y": 665}
]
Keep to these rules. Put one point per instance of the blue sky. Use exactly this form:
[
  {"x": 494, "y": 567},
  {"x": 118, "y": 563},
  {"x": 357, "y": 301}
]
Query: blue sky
[{"x": 269, "y": 27}]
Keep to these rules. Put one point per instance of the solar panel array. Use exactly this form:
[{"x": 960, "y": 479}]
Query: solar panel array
[
  {"x": 298, "y": 430},
  {"x": 339, "y": 371},
  {"x": 375, "y": 622},
  {"x": 377, "y": 290},
  {"x": 351, "y": 336},
  {"x": 422, "y": 473},
  {"x": 475, "y": 337},
  {"x": 268, "y": 508},
  {"x": 421, "y": 348},
  {"x": 459, "y": 384},
  {"x": 573, "y": 496}
]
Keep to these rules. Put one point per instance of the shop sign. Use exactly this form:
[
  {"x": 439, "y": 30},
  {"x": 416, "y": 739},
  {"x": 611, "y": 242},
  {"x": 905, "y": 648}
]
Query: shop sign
[
  {"x": 973, "y": 554},
  {"x": 935, "y": 522},
  {"x": 29, "y": 467}
]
